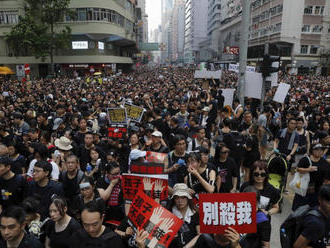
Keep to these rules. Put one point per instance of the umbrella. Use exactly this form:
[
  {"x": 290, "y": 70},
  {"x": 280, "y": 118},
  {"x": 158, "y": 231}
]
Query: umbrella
[
  {"x": 97, "y": 73},
  {"x": 4, "y": 70}
]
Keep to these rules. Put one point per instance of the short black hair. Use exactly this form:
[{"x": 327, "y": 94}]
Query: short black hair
[
  {"x": 46, "y": 166},
  {"x": 94, "y": 206},
  {"x": 5, "y": 160},
  {"x": 42, "y": 150},
  {"x": 110, "y": 166},
  {"x": 16, "y": 213},
  {"x": 324, "y": 192}
]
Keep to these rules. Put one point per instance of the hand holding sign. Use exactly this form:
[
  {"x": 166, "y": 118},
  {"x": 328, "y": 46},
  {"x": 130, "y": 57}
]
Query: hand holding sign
[{"x": 160, "y": 232}]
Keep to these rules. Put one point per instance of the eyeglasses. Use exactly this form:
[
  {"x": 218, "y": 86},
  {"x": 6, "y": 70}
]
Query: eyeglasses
[
  {"x": 224, "y": 152},
  {"x": 262, "y": 174}
]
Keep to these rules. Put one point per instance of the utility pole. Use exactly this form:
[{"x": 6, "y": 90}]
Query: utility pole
[
  {"x": 263, "y": 83},
  {"x": 243, "y": 48}
]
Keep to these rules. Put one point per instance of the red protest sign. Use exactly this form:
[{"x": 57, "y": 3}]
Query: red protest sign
[
  {"x": 156, "y": 187},
  {"x": 156, "y": 157},
  {"x": 220, "y": 211},
  {"x": 117, "y": 132},
  {"x": 161, "y": 224},
  {"x": 147, "y": 168}
]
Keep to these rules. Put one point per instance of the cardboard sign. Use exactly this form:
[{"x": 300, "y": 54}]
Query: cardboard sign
[
  {"x": 228, "y": 94},
  {"x": 207, "y": 74},
  {"x": 217, "y": 212},
  {"x": 273, "y": 78},
  {"x": 149, "y": 168},
  {"x": 155, "y": 186},
  {"x": 134, "y": 113},
  {"x": 281, "y": 92},
  {"x": 117, "y": 131},
  {"x": 117, "y": 115},
  {"x": 253, "y": 85},
  {"x": 160, "y": 223},
  {"x": 235, "y": 68}
]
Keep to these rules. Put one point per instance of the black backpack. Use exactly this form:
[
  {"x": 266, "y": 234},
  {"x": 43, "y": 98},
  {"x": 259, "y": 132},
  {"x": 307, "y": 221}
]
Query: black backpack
[{"x": 291, "y": 227}]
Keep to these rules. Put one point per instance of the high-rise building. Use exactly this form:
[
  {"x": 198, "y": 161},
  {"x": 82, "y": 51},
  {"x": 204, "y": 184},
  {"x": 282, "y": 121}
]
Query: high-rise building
[
  {"x": 195, "y": 28},
  {"x": 178, "y": 25},
  {"x": 167, "y": 7},
  {"x": 143, "y": 24},
  {"x": 103, "y": 37},
  {"x": 209, "y": 48},
  {"x": 298, "y": 30}
]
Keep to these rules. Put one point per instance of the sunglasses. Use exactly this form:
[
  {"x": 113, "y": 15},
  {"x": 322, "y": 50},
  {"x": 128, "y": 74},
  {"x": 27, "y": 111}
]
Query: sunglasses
[
  {"x": 262, "y": 174},
  {"x": 224, "y": 152}
]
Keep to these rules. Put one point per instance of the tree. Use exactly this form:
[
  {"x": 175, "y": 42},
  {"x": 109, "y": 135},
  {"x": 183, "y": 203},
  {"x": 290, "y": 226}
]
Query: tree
[{"x": 38, "y": 32}]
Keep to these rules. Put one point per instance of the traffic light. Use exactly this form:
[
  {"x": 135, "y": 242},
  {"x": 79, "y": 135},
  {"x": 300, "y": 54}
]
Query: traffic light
[{"x": 269, "y": 65}]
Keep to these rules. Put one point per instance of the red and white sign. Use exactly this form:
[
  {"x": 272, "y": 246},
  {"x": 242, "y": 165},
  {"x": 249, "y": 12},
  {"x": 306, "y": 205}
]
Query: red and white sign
[
  {"x": 156, "y": 157},
  {"x": 220, "y": 211},
  {"x": 155, "y": 186},
  {"x": 27, "y": 69},
  {"x": 160, "y": 223}
]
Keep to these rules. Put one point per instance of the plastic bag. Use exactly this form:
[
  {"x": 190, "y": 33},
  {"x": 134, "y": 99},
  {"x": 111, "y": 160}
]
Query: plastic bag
[{"x": 299, "y": 183}]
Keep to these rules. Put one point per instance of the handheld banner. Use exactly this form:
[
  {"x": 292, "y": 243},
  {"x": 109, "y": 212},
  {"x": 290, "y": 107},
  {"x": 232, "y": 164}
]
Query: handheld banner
[
  {"x": 220, "y": 211},
  {"x": 155, "y": 186},
  {"x": 117, "y": 131},
  {"x": 160, "y": 223},
  {"x": 134, "y": 113},
  {"x": 281, "y": 92},
  {"x": 117, "y": 115}
]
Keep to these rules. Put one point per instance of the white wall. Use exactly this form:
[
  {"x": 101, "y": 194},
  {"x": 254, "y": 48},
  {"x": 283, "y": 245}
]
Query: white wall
[{"x": 292, "y": 19}]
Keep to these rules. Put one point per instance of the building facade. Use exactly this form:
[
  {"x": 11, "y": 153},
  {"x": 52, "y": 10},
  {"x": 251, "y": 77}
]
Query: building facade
[
  {"x": 297, "y": 30},
  {"x": 166, "y": 15},
  {"x": 142, "y": 25},
  {"x": 178, "y": 24},
  {"x": 196, "y": 14},
  {"x": 103, "y": 37}
]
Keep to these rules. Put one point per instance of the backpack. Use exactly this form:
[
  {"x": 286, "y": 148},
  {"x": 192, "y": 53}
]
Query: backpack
[{"x": 291, "y": 227}]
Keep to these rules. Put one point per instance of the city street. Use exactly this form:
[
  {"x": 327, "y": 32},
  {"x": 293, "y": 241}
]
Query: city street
[{"x": 278, "y": 219}]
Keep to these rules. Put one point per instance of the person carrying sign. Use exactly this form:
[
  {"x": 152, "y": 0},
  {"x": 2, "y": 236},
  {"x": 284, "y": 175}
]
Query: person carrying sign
[{"x": 182, "y": 206}]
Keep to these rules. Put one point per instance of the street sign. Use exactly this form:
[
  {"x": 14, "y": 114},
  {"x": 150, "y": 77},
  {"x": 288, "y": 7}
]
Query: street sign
[{"x": 149, "y": 46}]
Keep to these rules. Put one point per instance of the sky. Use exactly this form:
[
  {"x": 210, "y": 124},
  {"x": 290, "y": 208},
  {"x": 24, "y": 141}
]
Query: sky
[{"x": 153, "y": 9}]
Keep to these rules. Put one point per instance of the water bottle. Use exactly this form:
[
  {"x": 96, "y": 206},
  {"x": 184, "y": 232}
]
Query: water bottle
[{"x": 89, "y": 168}]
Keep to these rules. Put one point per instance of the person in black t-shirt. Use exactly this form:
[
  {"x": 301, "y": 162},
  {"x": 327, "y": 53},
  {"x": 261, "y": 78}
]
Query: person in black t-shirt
[
  {"x": 95, "y": 234},
  {"x": 12, "y": 230},
  {"x": 13, "y": 187},
  {"x": 314, "y": 229},
  {"x": 226, "y": 167},
  {"x": 177, "y": 161},
  {"x": 269, "y": 196},
  {"x": 314, "y": 165},
  {"x": 43, "y": 187},
  {"x": 61, "y": 226},
  {"x": 71, "y": 179}
]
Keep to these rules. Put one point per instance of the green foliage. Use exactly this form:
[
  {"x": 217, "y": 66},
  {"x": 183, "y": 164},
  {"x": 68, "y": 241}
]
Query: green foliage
[{"x": 38, "y": 32}]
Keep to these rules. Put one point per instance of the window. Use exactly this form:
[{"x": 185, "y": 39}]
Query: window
[
  {"x": 304, "y": 49},
  {"x": 8, "y": 17},
  {"x": 317, "y": 10},
  {"x": 317, "y": 29},
  {"x": 81, "y": 14},
  {"x": 306, "y": 28},
  {"x": 314, "y": 50},
  {"x": 308, "y": 10},
  {"x": 278, "y": 27}
]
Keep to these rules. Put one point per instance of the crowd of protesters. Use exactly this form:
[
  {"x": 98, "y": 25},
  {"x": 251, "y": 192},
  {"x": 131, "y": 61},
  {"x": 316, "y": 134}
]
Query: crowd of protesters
[{"x": 60, "y": 173}]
